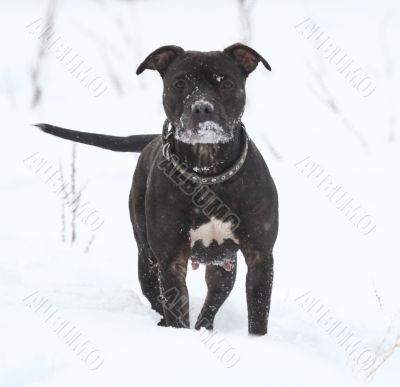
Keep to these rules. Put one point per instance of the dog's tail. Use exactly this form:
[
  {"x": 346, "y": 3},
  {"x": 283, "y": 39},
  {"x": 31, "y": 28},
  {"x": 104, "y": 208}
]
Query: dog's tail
[{"x": 119, "y": 144}]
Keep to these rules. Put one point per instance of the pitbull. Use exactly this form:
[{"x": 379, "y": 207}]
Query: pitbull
[{"x": 201, "y": 190}]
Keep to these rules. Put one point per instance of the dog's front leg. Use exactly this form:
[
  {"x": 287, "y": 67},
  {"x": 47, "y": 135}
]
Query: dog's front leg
[
  {"x": 219, "y": 283},
  {"x": 258, "y": 286},
  {"x": 174, "y": 292}
]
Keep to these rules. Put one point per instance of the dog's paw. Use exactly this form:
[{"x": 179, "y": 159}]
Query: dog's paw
[
  {"x": 204, "y": 323},
  {"x": 162, "y": 323},
  {"x": 257, "y": 330}
]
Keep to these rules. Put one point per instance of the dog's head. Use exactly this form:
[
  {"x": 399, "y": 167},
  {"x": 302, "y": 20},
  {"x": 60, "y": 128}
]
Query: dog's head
[{"x": 204, "y": 92}]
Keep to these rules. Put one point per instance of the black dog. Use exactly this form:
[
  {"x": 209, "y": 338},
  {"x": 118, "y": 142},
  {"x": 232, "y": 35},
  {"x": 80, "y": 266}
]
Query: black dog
[{"x": 201, "y": 190}]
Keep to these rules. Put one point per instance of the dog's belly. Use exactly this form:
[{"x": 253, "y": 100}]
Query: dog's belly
[{"x": 214, "y": 243}]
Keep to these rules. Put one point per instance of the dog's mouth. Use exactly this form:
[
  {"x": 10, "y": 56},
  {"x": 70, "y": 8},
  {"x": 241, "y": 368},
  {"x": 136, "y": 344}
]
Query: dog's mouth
[
  {"x": 206, "y": 132},
  {"x": 227, "y": 263}
]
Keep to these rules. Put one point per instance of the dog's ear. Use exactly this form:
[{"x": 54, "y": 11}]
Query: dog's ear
[
  {"x": 160, "y": 59},
  {"x": 246, "y": 57}
]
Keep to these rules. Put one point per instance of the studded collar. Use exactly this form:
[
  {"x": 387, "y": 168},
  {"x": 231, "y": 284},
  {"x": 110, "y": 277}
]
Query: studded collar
[{"x": 167, "y": 135}]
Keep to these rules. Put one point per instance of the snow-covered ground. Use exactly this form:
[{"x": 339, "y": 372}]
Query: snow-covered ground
[{"x": 328, "y": 273}]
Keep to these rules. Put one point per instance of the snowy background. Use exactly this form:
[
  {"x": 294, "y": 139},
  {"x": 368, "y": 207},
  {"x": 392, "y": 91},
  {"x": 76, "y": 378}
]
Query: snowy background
[{"x": 304, "y": 108}]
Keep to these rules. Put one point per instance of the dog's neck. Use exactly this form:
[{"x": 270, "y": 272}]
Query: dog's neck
[{"x": 210, "y": 159}]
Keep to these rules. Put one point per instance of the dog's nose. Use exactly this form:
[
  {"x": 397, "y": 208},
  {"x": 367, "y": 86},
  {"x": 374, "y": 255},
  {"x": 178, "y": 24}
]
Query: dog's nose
[{"x": 202, "y": 107}]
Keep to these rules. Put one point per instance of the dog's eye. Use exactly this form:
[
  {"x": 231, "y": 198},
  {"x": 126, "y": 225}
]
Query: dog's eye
[
  {"x": 227, "y": 84},
  {"x": 180, "y": 84}
]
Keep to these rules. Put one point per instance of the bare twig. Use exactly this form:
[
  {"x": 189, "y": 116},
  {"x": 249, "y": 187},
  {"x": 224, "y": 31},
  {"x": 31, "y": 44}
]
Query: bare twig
[
  {"x": 8, "y": 86},
  {"x": 272, "y": 149},
  {"x": 36, "y": 70},
  {"x": 378, "y": 297},
  {"x": 113, "y": 75},
  {"x": 326, "y": 97},
  {"x": 383, "y": 355},
  {"x": 392, "y": 128},
  {"x": 89, "y": 244},
  {"x": 128, "y": 38},
  {"x": 71, "y": 200},
  {"x": 73, "y": 191},
  {"x": 385, "y": 46},
  {"x": 105, "y": 47},
  {"x": 63, "y": 198},
  {"x": 388, "y": 72},
  {"x": 245, "y": 7}
]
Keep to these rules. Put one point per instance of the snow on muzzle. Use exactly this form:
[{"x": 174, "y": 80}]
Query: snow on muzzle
[{"x": 206, "y": 132}]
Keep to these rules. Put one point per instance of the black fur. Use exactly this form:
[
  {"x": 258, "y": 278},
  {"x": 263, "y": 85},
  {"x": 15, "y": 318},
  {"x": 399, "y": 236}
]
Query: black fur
[
  {"x": 115, "y": 143},
  {"x": 199, "y": 88}
]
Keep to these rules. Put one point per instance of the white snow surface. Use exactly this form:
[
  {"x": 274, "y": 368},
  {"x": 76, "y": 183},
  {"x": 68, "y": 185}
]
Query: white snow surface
[{"x": 321, "y": 258}]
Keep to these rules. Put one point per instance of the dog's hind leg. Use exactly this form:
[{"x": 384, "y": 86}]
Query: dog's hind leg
[
  {"x": 147, "y": 263},
  {"x": 219, "y": 283}
]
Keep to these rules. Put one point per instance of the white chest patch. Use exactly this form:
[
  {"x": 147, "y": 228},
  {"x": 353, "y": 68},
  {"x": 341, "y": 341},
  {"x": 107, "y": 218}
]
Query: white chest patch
[{"x": 215, "y": 229}]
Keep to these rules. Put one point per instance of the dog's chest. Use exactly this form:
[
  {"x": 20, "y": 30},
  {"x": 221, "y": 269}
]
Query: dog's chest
[{"x": 214, "y": 231}]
